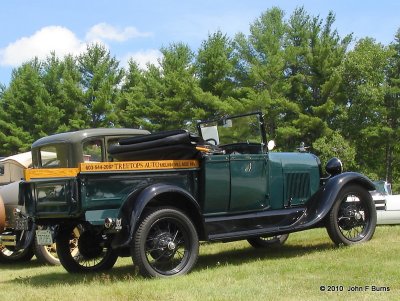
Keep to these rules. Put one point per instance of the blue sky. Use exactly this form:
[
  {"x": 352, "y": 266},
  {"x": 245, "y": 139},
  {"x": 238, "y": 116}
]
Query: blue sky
[{"x": 138, "y": 29}]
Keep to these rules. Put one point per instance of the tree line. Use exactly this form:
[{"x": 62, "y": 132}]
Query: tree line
[{"x": 338, "y": 95}]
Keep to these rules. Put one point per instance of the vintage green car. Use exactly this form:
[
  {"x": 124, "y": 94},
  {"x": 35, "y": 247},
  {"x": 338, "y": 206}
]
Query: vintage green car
[
  {"x": 160, "y": 194},
  {"x": 78, "y": 144}
]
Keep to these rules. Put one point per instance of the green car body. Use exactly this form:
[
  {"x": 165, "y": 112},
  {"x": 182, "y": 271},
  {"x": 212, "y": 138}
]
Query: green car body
[{"x": 156, "y": 207}]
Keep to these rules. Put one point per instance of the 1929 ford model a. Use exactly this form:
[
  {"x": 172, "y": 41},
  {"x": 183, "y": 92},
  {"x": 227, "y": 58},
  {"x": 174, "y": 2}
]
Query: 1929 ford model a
[{"x": 165, "y": 192}]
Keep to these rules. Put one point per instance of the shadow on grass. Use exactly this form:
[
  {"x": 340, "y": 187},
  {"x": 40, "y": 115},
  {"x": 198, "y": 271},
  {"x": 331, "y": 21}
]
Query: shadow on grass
[
  {"x": 250, "y": 254},
  {"x": 128, "y": 272},
  {"x": 34, "y": 263}
]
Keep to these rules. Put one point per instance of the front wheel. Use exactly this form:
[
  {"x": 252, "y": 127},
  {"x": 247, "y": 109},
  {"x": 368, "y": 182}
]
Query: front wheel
[
  {"x": 268, "y": 241},
  {"x": 352, "y": 218},
  {"x": 83, "y": 250},
  {"x": 166, "y": 244}
]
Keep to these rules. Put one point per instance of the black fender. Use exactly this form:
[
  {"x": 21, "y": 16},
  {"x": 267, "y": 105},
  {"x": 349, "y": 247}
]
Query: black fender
[
  {"x": 26, "y": 238},
  {"x": 319, "y": 205},
  {"x": 139, "y": 200}
]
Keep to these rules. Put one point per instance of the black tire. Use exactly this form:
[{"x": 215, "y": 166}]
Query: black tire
[
  {"x": 268, "y": 241},
  {"x": 165, "y": 244},
  {"x": 81, "y": 250},
  {"x": 352, "y": 218},
  {"x": 9, "y": 255}
]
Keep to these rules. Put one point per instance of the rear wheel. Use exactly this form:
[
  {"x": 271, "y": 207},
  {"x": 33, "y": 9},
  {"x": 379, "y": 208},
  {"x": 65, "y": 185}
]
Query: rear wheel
[
  {"x": 352, "y": 218},
  {"x": 268, "y": 241},
  {"x": 166, "y": 244},
  {"x": 83, "y": 250},
  {"x": 10, "y": 255}
]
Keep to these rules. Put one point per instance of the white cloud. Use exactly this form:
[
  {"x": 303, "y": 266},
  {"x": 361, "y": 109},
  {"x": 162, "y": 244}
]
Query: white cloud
[
  {"x": 63, "y": 41},
  {"x": 52, "y": 38},
  {"x": 142, "y": 58},
  {"x": 104, "y": 31}
]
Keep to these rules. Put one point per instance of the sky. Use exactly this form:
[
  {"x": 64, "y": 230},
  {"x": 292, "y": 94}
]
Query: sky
[{"x": 138, "y": 29}]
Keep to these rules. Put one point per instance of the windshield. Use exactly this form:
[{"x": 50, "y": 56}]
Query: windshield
[
  {"x": 383, "y": 187},
  {"x": 53, "y": 156},
  {"x": 236, "y": 129}
]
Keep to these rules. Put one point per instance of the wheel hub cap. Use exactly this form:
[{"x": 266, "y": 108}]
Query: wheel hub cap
[{"x": 171, "y": 246}]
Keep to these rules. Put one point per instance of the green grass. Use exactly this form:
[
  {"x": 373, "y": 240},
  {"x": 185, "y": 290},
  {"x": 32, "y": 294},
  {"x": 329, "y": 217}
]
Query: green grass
[{"x": 231, "y": 271}]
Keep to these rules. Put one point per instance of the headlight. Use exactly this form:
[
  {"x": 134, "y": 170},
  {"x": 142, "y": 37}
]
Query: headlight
[{"x": 334, "y": 167}]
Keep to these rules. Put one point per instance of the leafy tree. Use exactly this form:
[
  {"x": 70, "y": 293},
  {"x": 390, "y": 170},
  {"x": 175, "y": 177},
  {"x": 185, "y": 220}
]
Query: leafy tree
[
  {"x": 100, "y": 80},
  {"x": 168, "y": 97},
  {"x": 61, "y": 79},
  {"x": 363, "y": 101},
  {"x": 290, "y": 69},
  {"x": 314, "y": 53},
  {"x": 27, "y": 113},
  {"x": 215, "y": 65},
  {"x": 334, "y": 145},
  {"x": 260, "y": 71},
  {"x": 392, "y": 120},
  {"x": 132, "y": 98}
]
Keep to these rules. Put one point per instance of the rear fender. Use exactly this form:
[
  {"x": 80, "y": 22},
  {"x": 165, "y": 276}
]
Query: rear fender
[
  {"x": 319, "y": 205},
  {"x": 140, "y": 200}
]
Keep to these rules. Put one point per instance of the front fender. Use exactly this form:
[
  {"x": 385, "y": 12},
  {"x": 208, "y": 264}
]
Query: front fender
[
  {"x": 319, "y": 205},
  {"x": 136, "y": 203}
]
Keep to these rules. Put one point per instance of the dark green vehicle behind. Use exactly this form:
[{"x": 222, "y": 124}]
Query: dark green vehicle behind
[{"x": 160, "y": 194}]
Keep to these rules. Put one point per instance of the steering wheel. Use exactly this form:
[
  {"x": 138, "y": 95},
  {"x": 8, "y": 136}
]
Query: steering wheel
[{"x": 212, "y": 140}]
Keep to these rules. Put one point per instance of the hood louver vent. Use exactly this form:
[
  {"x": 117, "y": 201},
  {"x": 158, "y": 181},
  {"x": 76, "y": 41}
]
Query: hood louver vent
[{"x": 297, "y": 188}]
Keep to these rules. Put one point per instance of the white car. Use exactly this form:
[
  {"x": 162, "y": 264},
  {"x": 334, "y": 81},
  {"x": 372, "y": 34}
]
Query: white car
[
  {"x": 387, "y": 204},
  {"x": 11, "y": 172}
]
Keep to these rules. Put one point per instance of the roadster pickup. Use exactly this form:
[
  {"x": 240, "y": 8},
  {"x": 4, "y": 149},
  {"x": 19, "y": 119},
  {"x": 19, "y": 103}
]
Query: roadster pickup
[
  {"x": 17, "y": 243},
  {"x": 160, "y": 194}
]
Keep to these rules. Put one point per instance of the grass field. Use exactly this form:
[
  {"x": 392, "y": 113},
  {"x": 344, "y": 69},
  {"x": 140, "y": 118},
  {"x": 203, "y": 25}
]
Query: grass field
[{"x": 300, "y": 270}]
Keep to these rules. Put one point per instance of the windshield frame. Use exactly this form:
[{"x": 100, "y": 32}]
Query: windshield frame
[{"x": 223, "y": 120}]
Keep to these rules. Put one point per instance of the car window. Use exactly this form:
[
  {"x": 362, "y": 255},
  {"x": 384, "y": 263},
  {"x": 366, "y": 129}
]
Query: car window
[
  {"x": 53, "y": 156},
  {"x": 111, "y": 141},
  {"x": 1, "y": 169},
  {"x": 92, "y": 151}
]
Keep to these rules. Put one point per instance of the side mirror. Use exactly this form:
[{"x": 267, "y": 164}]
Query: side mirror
[
  {"x": 227, "y": 123},
  {"x": 271, "y": 145}
]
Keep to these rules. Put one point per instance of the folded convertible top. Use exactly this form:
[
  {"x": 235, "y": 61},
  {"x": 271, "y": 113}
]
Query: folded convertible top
[{"x": 167, "y": 145}]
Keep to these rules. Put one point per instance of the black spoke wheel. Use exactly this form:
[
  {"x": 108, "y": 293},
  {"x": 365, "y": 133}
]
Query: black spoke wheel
[
  {"x": 166, "y": 244},
  {"x": 83, "y": 250},
  {"x": 10, "y": 255},
  {"x": 268, "y": 241},
  {"x": 352, "y": 218}
]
